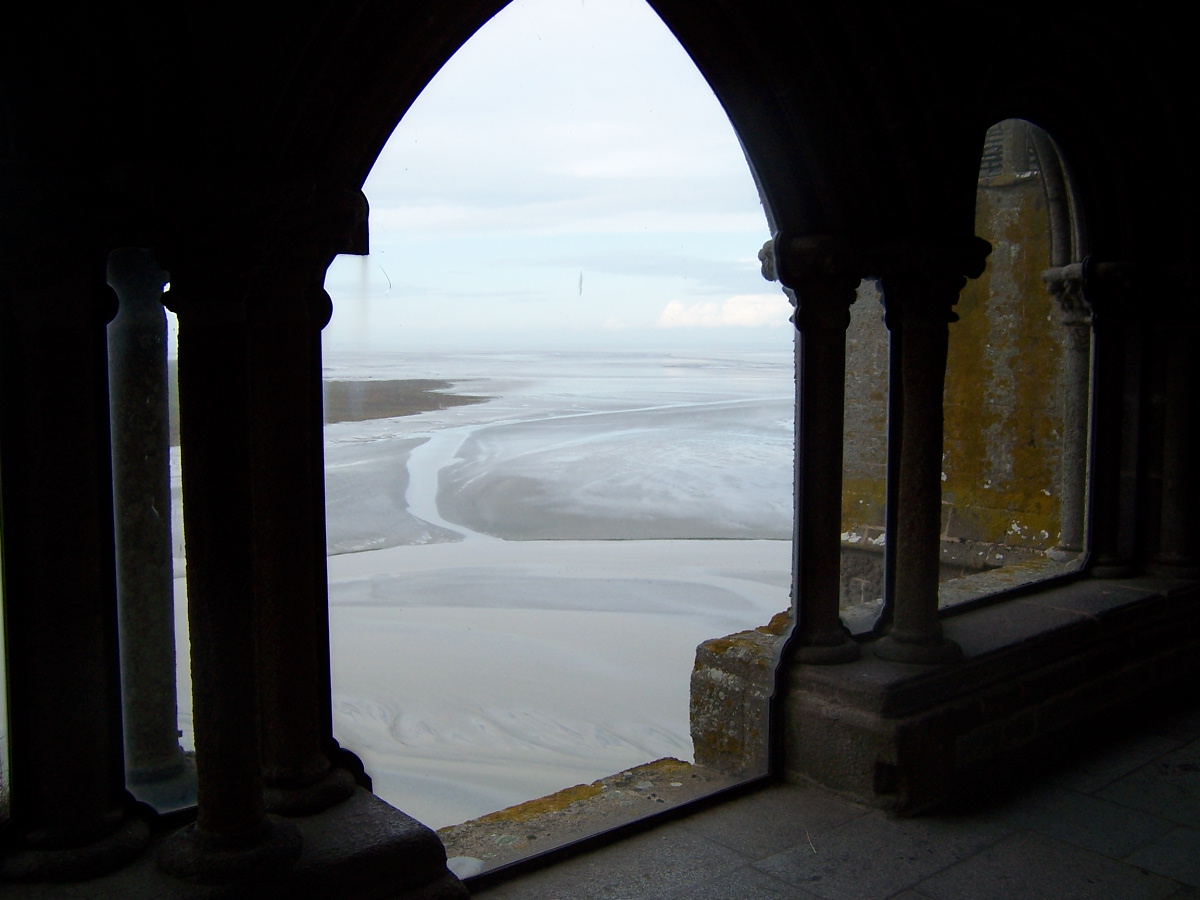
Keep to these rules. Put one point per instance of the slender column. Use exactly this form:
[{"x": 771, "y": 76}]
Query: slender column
[
  {"x": 920, "y": 308},
  {"x": 1114, "y": 484},
  {"x": 823, "y": 277},
  {"x": 1066, "y": 286},
  {"x": 290, "y": 579},
  {"x": 155, "y": 765},
  {"x": 70, "y": 814},
  {"x": 288, "y": 310},
  {"x": 1178, "y": 551},
  {"x": 232, "y": 836}
]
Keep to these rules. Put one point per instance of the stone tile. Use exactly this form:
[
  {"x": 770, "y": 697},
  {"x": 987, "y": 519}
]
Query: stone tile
[
  {"x": 1182, "y": 725},
  {"x": 767, "y": 822},
  {"x": 745, "y": 884},
  {"x": 1029, "y": 866},
  {"x": 1175, "y": 855},
  {"x": 1088, "y": 822},
  {"x": 656, "y": 865},
  {"x": 1168, "y": 787},
  {"x": 872, "y": 856},
  {"x": 1097, "y": 770}
]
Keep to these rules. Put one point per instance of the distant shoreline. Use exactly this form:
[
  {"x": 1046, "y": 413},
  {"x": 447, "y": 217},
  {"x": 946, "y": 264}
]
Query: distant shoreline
[{"x": 358, "y": 401}]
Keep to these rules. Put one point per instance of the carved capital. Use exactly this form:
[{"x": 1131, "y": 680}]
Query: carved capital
[
  {"x": 67, "y": 291},
  {"x": 1114, "y": 290},
  {"x": 930, "y": 258},
  {"x": 921, "y": 301},
  {"x": 266, "y": 223},
  {"x": 793, "y": 259},
  {"x": 240, "y": 249},
  {"x": 1065, "y": 284}
]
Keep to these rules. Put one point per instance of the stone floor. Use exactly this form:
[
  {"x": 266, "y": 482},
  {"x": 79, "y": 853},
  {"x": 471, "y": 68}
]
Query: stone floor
[{"x": 1119, "y": 820}]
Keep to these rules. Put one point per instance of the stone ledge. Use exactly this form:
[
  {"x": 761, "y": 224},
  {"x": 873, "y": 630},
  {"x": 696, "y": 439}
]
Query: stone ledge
[
  {"x": 908, "y": 737},
  {"x": 362, "y": 849}
]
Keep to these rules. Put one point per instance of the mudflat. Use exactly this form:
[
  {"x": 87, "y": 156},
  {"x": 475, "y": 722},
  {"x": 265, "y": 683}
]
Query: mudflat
[{"x": 358, "y": 401}]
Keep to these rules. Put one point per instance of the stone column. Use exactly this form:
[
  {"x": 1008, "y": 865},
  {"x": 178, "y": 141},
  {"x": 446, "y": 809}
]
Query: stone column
[
  {"x": 1109, "y": 289},
  {"x": 823, "y": 276},
  {"x": 232, "y": 836},
  {"x": 155, "y": 766},
  {"x": 1178, "y": 550},
  {"x": 289, "y": 309},
  {"x": 71, "y": 817},
  {"x": 1066, "y": 286},
  {"x": 920, "y": 290}
]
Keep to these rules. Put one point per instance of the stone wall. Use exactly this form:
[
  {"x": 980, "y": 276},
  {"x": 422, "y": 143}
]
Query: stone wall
[{"x": 1003, "y": 408}]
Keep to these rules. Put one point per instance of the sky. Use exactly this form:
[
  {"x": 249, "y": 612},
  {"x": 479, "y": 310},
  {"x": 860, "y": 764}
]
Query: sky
[{"x": 567, "y": 180}]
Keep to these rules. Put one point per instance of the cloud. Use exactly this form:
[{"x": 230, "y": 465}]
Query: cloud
[{"x": 743, "y": 310}]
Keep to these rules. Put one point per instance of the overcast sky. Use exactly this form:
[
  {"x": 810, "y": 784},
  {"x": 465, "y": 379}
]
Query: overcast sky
[{"x": 568, "y": 179}]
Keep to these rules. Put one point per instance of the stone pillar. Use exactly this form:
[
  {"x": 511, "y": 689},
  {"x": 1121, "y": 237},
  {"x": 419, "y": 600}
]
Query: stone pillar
[
  {"x": 919, "y": 291},
  {"x": 1109, "y": 289},
  {"x": 232, "y": 836},
  {"x": 71, "y": 817},
  {"x": 1178, "y": 550},
  {"x": 823, "y": 277},
  {"x": 1066, "y": 286},
  {"x": 155, "y": 766},
  {"x": 289, "y": 310}
]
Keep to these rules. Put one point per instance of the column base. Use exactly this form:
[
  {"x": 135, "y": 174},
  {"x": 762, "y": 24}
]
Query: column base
[
  {"x": 306, "y": 800},
  {"x": 844, "y": 651},
  {"x": 1112, "y": 570},
  {"x": 168, "y": 790},
  {"x": 78, "y": 863},
  {"x": 938, "y": 652},
  {"x": 191, "y": 855},
  {"x": 1189, "y": 569}
]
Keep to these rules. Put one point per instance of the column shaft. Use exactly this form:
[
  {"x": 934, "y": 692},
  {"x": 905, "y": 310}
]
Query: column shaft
[
  {"x": 1117, "y": 405},
  {"x": 214, "y": 442},
  {"x": 137, "y": 342},
  {"x": 1066, "y": 286},
  {"x": 232, "y": 835},
  {"x": 290, "y": 581},
  {"x": 1178, "y": 553},
  {"x": 821, "y": 319},
  {"x": 69, "y": 807},
  {"x": 919, "y": 307}
]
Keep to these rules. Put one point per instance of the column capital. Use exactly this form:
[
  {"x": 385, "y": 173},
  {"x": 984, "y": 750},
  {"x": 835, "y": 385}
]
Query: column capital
[
  {"x": 921, "y": 301},
  {"x": 1065, "y": 284},
  {"x": 1114, "y": 289},
  {"x": 242, "y": 225},
  {"x": 794, "y": 258},
  {"x": 47, "y": 294},
  {"x": 922, "y": 276}
]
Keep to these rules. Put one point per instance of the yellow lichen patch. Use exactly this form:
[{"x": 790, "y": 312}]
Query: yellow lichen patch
[
  {"x": 864, "y": 502},
  {"x": 779, "y": 624},
  {"x": 722, "y": 645},
  {"x": 1003, "y": 415},
  {"x": 530, "y": 809}
]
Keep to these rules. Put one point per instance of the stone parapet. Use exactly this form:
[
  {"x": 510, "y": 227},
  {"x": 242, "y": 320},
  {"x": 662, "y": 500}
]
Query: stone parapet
[
  {"x": 362, "y": 848},
  {"x": 1036, "y": 669}
]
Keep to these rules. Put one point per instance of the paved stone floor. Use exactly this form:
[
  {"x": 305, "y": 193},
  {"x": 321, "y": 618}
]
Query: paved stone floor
[{"x": 1121, "y": 820}]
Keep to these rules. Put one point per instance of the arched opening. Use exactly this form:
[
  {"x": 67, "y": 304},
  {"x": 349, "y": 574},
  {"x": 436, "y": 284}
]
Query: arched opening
[
  {"x": 565, "y": 291},
  {"x": 1016, "y": 398},
  {"x": 1017, "y": 381}
]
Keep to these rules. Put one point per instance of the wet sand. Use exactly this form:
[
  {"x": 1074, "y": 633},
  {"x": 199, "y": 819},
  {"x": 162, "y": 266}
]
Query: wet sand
[{"x": 358, "y": 401}]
